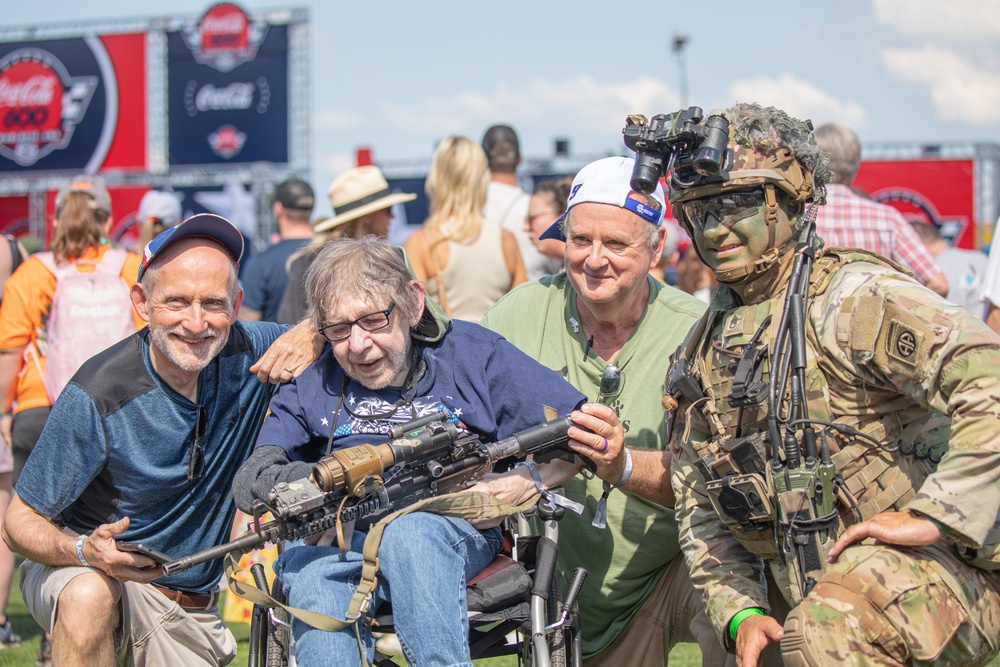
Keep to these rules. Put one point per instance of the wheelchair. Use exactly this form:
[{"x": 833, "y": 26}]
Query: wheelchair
[{"x": 516, "y": 595}]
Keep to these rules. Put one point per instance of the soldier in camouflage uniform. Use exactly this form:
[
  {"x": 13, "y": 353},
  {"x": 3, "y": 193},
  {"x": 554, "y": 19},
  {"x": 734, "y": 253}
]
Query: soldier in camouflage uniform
[{"x": 876, "y": 511}]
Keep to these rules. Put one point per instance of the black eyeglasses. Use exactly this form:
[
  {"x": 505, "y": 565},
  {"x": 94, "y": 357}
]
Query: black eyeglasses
[
  {"x": 370, "y": 322},
  {"x": 728, "y": 207},
  {"x": 196, "y": 455}
]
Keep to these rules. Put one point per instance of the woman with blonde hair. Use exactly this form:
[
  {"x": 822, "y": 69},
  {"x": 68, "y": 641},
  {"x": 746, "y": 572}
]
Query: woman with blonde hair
[{"x": 466, "y": 261}]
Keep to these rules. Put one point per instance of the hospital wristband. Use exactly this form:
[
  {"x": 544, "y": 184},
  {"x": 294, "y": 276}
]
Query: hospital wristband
[
  {"x": 79, "y": 551},
  {"x": 740, "y": 617}
]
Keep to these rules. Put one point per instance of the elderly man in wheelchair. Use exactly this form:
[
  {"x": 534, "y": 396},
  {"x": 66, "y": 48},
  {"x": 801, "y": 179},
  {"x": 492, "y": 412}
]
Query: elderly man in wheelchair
[{"x": 394, "y": 358}]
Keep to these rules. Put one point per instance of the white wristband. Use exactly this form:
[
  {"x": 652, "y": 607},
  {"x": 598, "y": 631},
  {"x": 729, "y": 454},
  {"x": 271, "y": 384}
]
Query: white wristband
[
  {"x": 601, "y": 513},
  {"x": 79, "y": 551},
  {"x": 553, "y": 498},
  {"x": 627, "y": 472}
]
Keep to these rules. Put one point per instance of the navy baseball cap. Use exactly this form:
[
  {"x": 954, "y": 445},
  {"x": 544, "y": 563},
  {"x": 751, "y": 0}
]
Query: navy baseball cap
[{"x": 205, "y": 225}]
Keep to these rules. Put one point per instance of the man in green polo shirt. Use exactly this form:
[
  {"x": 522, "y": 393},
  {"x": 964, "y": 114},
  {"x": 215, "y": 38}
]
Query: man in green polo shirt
[{"x": 606, "y": 309}]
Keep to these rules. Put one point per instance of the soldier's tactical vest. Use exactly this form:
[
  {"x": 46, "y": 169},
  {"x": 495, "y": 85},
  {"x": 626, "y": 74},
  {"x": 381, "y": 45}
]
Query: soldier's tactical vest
[{"x": 874, "y": 479}]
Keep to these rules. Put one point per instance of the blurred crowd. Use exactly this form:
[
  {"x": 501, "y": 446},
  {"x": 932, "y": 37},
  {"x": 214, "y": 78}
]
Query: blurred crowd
[{"x": 484, "y": 237}]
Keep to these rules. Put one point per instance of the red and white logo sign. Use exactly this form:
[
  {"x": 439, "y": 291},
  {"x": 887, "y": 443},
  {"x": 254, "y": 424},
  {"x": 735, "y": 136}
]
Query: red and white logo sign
[
  {"x": 227, "y": 141},
  {"x": 40, "y": 104},
  {"x": 225, "y": 38}
]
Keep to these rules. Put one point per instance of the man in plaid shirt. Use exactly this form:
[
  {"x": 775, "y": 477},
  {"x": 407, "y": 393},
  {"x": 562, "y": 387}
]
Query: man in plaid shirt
[{"x": 850, "y": 221}]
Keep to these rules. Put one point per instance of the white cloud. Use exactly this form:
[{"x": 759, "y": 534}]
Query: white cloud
[
  {"x": 338, "y": 119},
  {"x": 799, "y": 98},
  {"x": 960, "y": 91},
  {"x": 338, "y": 163},
  {"x": 960, "y": 21},
  {"x": 590, "y": 112}
]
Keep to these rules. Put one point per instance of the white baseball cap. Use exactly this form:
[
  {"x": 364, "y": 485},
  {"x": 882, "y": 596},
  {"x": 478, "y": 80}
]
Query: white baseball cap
[
  {"x": 164, "y": 206},
  {"x": 606, "y": 181}
]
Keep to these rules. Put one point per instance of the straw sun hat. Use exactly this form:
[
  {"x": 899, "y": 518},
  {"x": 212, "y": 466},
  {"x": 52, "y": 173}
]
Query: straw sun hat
[{"x": 358, "y": 192}]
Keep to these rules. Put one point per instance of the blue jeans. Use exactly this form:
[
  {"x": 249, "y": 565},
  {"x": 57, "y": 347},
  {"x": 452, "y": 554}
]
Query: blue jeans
[{"x": 425, "y": 561}]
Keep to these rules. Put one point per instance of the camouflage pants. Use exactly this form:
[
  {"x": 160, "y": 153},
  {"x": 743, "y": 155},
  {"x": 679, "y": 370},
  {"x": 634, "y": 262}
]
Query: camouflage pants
[{"x": 897, "y": 606}]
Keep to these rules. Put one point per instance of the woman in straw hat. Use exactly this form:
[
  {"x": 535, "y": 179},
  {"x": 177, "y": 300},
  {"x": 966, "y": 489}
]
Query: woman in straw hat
[
  {"x": 362, "y": 204},
  {"x": 466, "y": 262}
]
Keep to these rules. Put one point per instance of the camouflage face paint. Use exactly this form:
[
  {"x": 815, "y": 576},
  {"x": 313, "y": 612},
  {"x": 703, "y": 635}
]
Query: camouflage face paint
[{"x": 732, "y": 235}]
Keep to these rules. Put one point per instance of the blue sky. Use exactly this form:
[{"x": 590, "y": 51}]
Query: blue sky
[{"x": 398, "y": 76}]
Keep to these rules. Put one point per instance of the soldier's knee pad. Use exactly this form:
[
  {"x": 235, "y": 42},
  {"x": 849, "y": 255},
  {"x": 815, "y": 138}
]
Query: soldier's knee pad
[{"x": 801, "y": 645}]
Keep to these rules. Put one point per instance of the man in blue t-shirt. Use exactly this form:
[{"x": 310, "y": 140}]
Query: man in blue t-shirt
[
  {"x": 141, "y": 447},
  {"x": 395, "y": 357},
  {"x": 265, "y": 275}
]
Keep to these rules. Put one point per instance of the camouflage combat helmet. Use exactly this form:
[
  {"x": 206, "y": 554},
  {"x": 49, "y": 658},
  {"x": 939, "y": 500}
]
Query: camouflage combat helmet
[{"x": 770, "y": 150}]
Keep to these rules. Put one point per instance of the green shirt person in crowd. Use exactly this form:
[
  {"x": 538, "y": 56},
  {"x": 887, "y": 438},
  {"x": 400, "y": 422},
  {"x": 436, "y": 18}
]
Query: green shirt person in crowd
[{"x": 606, "y": 309}]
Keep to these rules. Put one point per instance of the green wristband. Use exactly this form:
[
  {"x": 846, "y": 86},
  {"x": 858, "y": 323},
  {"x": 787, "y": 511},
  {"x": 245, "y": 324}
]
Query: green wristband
[
  {"x": 740, "y": 617},
  {"x": 940, "y": 526}
]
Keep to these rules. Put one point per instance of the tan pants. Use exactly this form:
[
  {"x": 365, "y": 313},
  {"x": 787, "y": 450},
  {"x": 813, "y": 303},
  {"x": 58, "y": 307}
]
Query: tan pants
[
  {"x": 672, "y": 613},
  {"x": 155, "y": 632}
]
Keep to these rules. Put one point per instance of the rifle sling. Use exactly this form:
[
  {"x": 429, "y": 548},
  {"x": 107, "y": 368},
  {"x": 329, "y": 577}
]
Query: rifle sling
[{"x": 469, "y": 505}]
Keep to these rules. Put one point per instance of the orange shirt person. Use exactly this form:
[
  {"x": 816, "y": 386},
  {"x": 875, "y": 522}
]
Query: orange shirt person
[{"x": 83, "y": 218}]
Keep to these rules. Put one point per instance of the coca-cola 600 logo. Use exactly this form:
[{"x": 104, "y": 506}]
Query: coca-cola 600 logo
[
  {"x": 40, "y": 104},
  {"x": 225, "y": 37}
]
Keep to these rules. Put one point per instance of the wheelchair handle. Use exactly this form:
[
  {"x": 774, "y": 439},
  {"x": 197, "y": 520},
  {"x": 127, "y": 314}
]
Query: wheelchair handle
[{"x": 579, "y": 576}]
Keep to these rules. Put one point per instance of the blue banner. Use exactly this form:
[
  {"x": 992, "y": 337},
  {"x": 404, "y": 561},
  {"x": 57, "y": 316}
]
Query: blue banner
[
  {"x": 228, "y": 114},
  {"x": 58, "y": 105}
]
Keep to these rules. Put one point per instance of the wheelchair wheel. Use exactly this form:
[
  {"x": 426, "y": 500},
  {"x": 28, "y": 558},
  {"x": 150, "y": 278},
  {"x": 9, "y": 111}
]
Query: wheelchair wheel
[
  {"x": 556, "y": 640},
  {"x": 278, "y": 639}
]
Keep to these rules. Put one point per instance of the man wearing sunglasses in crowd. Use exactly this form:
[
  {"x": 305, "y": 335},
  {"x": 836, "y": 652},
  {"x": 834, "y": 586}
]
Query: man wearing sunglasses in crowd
[
  {"x": 141, "y": 448},
  {"x": 395, "y": 357},
  {"x": 834, "y": 426}
]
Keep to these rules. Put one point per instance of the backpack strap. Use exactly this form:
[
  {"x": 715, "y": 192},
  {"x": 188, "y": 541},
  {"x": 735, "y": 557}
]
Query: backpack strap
[
  {"x": 114, "y": 259},
  {"x": 16, "y": 258},
  {"x": 48, "y": 260}
]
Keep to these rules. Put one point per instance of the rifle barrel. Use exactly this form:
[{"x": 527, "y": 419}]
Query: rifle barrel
[
  {"x": 550, "y": 435},
  {"x": 245, "y": 543}
]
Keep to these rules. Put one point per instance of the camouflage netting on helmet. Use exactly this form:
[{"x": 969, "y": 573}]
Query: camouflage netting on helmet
[{"x": 769, "y": 146}]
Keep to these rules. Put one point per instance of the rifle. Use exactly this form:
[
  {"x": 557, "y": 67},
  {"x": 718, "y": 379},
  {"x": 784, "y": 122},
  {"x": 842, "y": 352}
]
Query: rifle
[{"x": 436, "y": 458}]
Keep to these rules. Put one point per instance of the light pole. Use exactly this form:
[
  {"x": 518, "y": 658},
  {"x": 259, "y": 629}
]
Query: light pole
[{"x": 680, "y": 40}]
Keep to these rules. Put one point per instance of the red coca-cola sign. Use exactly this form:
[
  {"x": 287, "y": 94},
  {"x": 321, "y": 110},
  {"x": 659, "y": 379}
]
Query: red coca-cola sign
[
  {"x": 225, "y": 37},
  {"x": 227, "y": 141},
  {"x": 224, "y": 27},
  {"x": 40, "y": 104}
]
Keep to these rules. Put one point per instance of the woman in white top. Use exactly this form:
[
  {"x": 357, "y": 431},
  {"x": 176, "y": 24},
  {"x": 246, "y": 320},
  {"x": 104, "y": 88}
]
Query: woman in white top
[{"x": 465, "y": 261}]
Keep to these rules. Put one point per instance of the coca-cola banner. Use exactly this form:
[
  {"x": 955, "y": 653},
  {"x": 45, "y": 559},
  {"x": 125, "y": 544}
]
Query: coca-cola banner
[
  {"x": 14, "y": 215},
  {"x": 228, "y": 90},
  {"x": 938, "y": 191},
  {"x": 73, "y": 104}
]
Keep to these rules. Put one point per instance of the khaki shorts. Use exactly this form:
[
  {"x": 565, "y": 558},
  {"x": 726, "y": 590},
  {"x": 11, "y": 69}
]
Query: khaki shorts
[{"x": 155, "y": 632}]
